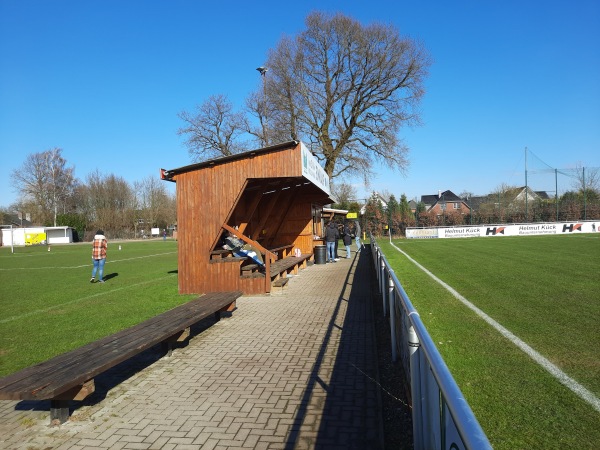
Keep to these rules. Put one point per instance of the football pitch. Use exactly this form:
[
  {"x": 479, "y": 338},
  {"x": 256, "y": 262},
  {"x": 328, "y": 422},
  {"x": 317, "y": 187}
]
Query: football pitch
[
  {"x": 48, "y": 305},
  {"x": 529, "y": 364}
]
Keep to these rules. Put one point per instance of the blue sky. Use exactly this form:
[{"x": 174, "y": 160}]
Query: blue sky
[{"x": 105, "y": 81}]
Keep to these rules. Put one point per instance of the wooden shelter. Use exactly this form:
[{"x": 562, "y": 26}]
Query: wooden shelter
[{"x": 271, "y": 198}]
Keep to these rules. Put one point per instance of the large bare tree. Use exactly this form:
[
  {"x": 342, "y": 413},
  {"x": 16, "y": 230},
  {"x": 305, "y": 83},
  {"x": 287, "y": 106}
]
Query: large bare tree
[
  {"x": 214, "y": 130},
  {"x": 347, "y": 89},
  {"x": 44, "y": 180}
]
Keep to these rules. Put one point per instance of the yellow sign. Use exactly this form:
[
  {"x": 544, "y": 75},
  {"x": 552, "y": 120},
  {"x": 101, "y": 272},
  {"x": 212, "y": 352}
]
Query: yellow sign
[
  {"x": 351, "y": 215},
  {"x": 35, "y": 238}
]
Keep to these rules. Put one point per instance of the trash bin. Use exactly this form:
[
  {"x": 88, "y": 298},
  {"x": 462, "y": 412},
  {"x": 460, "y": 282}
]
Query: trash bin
[{"x": 320, "y": 254}]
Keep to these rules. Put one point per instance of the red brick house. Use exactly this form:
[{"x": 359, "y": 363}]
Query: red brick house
[{"x": 445, "y": 203}]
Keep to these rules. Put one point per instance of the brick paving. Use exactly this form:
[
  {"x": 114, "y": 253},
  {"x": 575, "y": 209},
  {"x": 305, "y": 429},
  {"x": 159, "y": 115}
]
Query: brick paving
[{"x": 296, "y": 369}]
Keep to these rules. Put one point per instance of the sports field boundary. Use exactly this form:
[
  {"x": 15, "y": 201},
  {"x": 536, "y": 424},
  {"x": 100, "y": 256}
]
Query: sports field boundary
[{"x": 579, "y": 390}]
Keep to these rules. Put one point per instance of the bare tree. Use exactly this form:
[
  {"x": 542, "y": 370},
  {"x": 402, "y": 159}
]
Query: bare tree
[
  {"x": 214, "y": 130},
  {"x": 45, "y": 180},
  {"x": 586, "y": 179},
  {"x": 109, "y": 204},
  {"x": 347, "y": 89},
  {"x": 344, "y": 193},
  {"x": 266, "y": 132},
  {"x": 155, "y": 205}
]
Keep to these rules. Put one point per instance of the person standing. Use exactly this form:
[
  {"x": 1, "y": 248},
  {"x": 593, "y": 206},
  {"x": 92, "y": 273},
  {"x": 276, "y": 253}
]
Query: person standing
[
  {"x": 99, "y": 246},
  {"x": 357, "y": 232},
  {"x": 347, "y": 239},
  {"x": 332, "y": 235}
]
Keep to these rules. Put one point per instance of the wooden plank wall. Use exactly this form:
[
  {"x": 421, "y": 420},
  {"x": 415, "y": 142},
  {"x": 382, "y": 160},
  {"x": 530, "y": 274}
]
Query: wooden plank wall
[{"x": 205, "y": 198}]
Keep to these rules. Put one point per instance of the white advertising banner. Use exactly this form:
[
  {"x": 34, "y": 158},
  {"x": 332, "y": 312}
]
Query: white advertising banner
[
  {"x": 312, "y": 170},
  {"x": 504, "y": 230}
]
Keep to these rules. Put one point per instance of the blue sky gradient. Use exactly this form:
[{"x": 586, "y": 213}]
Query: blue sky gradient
[{"x": 105, "y": 81}]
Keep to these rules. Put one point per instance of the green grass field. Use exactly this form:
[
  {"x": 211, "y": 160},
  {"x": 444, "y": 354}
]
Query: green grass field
[
  {"x": 48, "y": 306},
  {"x": 545, "y": 290}
]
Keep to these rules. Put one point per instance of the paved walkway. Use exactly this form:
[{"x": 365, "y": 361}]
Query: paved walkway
[{"x": 296, "y": 369}]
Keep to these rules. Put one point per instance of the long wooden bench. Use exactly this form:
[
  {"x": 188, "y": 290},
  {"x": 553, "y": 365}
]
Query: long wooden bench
[
  {"x": 70, "y": 376},
  {"x": 289, "y": 265}
]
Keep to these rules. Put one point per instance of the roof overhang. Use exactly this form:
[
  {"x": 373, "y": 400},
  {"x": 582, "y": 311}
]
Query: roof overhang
[
  {"x": 169, "y": 174},
  {"x": 312, "y": 172}
]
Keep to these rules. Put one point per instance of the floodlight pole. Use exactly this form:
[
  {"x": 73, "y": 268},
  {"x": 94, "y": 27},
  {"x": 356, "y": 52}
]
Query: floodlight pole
[{"x": 263, "y": 71}]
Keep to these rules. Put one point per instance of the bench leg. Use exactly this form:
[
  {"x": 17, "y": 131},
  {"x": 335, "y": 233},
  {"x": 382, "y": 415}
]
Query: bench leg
[
  {"x": 227, "y": 309},
  {"x": 169, "y": 344},
  {"x": 167, "y": 348},
  {"x": 59, "y": 410}
]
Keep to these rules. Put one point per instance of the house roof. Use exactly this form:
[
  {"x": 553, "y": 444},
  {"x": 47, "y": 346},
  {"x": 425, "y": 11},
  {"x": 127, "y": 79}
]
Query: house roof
[
  {"x": 447, "y": 196},
  {"x": 13, "y": 219},
  {"x": 511, "y": 194}
]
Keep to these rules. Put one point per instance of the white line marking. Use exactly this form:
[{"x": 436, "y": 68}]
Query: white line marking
[
  {"x": 554, "y": 370},
  {"x": 77, "y": 300},
  {"x": 86, "y": 265}
]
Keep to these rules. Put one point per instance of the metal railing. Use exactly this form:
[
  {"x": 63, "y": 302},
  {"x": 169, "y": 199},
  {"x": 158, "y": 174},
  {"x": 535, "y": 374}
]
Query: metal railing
[{"x": 442, "y": 418}]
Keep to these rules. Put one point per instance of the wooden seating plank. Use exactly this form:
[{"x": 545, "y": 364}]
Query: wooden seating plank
[
  {"x": 281, "y": 265},
  {"x": 280, "y": 282},
  {"x": 52, "y": 377}
]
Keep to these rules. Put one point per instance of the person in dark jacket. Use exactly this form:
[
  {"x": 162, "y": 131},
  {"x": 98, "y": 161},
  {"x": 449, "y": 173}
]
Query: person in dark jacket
[
  {"x": 332, "y": 235},
  {"x": 347, "y": 239},
  {"x": 357, "y": 232}
]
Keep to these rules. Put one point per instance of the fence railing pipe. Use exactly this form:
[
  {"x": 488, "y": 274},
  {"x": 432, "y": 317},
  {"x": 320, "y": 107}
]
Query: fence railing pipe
[
  {"x": 392, "y": 310},
  {"x": 382, "y": 286},
  {"x": 467, "y": 426}
]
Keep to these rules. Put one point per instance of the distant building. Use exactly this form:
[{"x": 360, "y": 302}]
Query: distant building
[
  {"x": 510, "y": 198},
  {"x": 376, "y": 196},
  {"x": 445, "y": 203},
  {"x": 413, "y": 206},
  {"x": 14, "y": 220}
]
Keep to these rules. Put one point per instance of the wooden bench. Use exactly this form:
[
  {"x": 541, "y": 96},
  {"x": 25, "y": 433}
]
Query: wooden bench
[
  {"x": 286, "y": 250},
  {"x": 70, "y": 376},
  {"x": 291, "y": 264},
  {"x": 281, "y": 282}
]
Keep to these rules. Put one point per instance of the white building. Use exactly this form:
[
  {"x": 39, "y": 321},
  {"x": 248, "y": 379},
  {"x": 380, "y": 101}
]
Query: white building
[{"x": 36, "y": 236}]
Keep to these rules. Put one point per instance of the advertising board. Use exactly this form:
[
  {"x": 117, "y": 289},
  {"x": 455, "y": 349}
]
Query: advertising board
[{"x": 504, "y": 230}]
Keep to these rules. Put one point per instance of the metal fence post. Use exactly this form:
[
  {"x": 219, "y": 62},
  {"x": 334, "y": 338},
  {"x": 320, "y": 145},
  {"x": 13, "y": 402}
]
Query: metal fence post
[
  {"x": 415, "y": 386},
  {"x": 382, "y": 286},
  {"x": 392, "y": 298}
]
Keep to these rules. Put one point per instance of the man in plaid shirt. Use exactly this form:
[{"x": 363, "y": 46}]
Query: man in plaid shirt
[{"x": 99, "y": 247}]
